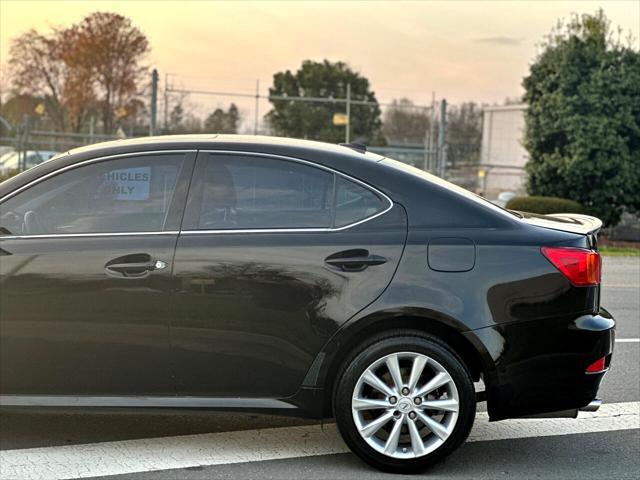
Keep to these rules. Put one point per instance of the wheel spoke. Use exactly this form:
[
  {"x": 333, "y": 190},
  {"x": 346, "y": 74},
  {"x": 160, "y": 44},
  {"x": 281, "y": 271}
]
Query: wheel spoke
[
  {"x": 448, "y": 405},
  {"x": 436, "y": 382},
  {"x": 438, "y": 429},
  {"x": 416, "y": 371},
  {"x": 394, "y": 370},
  {"x": 392, "y": 442},
  {"x": 416, "y": 441},
  {"x": 369, "y": 404},
  {"x": 372, "y": 427},
  {"x": 373, "y": 380}
]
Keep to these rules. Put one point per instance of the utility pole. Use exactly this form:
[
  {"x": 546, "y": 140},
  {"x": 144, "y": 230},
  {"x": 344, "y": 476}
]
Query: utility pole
[
  {"x": 255, "y": 122},
  {"x": 442, "y": 147},
  {"x": 348, "y": 126},
  {"x": 154, "y": 102}
]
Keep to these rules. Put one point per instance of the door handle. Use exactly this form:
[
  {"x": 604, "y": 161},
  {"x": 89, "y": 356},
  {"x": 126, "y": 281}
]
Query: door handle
[
  {"x": 355, "y": 260},
  {"x": 137, "y": 265}
]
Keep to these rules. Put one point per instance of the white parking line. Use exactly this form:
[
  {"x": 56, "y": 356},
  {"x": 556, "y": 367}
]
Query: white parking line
[
  {"x": 153, "y": 454},
  {"x": 627, "y": 340}
]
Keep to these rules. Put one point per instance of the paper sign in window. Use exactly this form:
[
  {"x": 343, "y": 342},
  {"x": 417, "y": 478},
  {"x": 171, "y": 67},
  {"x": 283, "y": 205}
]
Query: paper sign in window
[{"x": 129, "y": 184}]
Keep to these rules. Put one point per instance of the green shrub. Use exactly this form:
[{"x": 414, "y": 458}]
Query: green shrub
[
  {"x": 544, "y": 205},
  {"x": 583, "y": 121}
]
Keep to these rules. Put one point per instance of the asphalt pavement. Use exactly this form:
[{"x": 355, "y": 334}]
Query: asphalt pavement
[{"x": 223, "y": 445}]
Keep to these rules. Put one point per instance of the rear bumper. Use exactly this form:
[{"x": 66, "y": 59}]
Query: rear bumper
[{"x": 539, "y": 366}]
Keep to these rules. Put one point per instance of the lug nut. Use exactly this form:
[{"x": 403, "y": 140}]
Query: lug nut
[
  {"x": 417, "y": 400},
  {"x": 405, "y": 391},
  {"x": 396, "y": 414},
  {"x": 393, "y": 400},
  {"x": 412, "y": 415}
]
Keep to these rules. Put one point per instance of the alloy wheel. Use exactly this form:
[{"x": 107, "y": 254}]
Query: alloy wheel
[{"x": 405, "y": 405}]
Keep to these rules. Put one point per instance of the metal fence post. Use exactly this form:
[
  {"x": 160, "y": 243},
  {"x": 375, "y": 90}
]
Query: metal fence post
[
  {"x": 22, "y": 151},
  {"x": 92, "y": 127},
  {"x": 154, "y": 102},
  {"x": 432, "y": 133},
  {"x": 442, "y": 148},
  {"x": 255, "y": 120},
  {"x": 18, "y": 142},
  {"x": 166, "y": 103},
  {"x": 348, "y": 126}
]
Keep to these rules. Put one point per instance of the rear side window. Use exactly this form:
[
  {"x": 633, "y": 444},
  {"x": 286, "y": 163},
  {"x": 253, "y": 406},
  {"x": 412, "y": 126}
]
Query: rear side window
[
  {"x": 236, "y": 192},
  {"x": 355, "y": 202},
  {"x": 113, "y": 196},
  {"x": 262, "y": 193}
]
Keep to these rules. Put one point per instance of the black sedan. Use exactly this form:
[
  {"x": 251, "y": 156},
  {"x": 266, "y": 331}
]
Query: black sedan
[{"x": 273, "y": 275}]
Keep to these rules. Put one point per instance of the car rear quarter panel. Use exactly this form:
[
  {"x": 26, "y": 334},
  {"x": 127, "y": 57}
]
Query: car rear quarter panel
[{"x": 511, "y": 285}]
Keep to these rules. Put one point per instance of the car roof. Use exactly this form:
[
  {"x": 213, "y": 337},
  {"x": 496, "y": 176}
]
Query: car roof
[{"x": 258, "y": 143}]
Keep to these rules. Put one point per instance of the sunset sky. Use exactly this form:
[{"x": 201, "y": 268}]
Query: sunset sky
[{"x": 461, "y": 50}]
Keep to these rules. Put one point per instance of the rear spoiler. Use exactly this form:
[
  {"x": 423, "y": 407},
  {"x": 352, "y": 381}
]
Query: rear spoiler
[
  {"x": 589, "y": 224},
  {"x": 568, "y": 222}
]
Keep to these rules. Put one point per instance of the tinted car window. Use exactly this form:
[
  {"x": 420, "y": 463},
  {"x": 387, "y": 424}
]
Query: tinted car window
[
  {"x": 355, "y": 202},
  {"x": 124, "y": 195},
  {"x": 256, "y": 192}
]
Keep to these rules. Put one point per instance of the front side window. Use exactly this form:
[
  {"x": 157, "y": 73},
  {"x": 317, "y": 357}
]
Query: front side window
[
  {"x": 112, "y": 196},
  {"x": 235, "y": 192}
]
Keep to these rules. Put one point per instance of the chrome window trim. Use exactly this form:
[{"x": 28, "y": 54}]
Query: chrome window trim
[
  {"x": 77, "y": 165},
  {"x": 86, "y": 162},
  {"x": 301, "y": 229},
  {"x": 199, "y": 232}
]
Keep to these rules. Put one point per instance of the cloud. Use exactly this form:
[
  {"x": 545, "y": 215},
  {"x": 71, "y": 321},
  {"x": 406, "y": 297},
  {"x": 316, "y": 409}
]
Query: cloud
[{"x": 508, "y": 41}]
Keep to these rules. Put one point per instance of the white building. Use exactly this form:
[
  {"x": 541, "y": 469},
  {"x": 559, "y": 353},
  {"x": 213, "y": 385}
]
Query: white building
[{"x": 503, "y": 157}]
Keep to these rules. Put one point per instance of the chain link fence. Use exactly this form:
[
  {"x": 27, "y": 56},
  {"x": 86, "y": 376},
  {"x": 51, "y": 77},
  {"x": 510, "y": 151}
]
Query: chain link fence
[
  {"x": 422, "y": 142},
  {"x": 27, "y": 147}
]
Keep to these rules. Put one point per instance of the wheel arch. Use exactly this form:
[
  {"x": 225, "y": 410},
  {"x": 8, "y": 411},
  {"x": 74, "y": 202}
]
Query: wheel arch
[{"x": 326, "y": 366}]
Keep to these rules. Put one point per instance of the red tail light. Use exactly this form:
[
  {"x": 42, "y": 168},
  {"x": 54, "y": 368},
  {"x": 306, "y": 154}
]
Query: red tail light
[{"x": 579, "y": 265}]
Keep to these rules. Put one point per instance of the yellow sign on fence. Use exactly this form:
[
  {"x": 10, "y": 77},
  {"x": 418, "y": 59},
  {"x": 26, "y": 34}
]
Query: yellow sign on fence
[
  {"x": 340, "y": 119},
  {"x": 121, "y": 112}
]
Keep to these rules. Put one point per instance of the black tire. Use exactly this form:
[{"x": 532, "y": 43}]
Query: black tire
[{"x": 377, "y": 348}]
